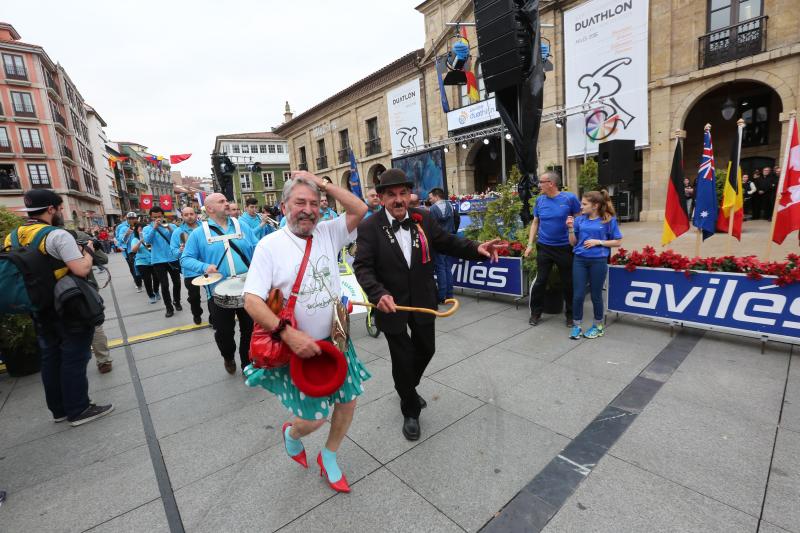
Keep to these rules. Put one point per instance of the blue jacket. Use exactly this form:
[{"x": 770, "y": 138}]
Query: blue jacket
[
  {"x": 119, "y": 236},
  {"x": 254, "y": 223},
  {"x": 160, "y": 251},
  {"x": 175, "y": 246},
  {"x": 199, "y": 254},
  {"x": 143, "y": 255}
]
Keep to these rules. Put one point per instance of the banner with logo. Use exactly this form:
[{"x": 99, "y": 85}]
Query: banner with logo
[
  {"x": 146, "y": 201},
  {"x": 605, "y": 58},
  {"x": 165, "y": 200},
  {"x": 504, "y": 277},
  {"x": 405, "y": 117},
  {"x": 722, "y": 301},
  {"x": 472, "y": 115}
]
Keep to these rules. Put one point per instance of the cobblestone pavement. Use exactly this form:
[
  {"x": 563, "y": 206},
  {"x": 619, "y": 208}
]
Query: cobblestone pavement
[{"x": 642, "y": 430}]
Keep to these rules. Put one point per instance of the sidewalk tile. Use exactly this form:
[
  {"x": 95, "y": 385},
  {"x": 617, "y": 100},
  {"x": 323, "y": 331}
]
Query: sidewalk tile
[
  {"x": 611, "y": 357},
  {"x": 377, "y": 426},
  {"x": 472, "y": 468},
  {"x": 149, "y": 517},
  {"x": 559, "y": 398},
  {"x": 782, "y": 506},
  {"x": 489, "y": 331},
  {"x": 744, "y": 353},
  {"x": 489, "y": 373},
  {"x": 452, "y": 348},
  {"x": 725, "y": 457},
  {"x": 380, "y": 384},
  {"x": 546, "y": 341},
  {"x": 202, "y": 354},
  {"x": 380, "y": 502},
  {"x": 83, "y": 498},
  {"x": 185, "y": 379},
  {"x": 267, "y": 490},
  {"x": 790, "y": 419},
  {"x": 61, "y": 454},
  {"x": 170, "y": 343},
  {"x": 621, "y": 498}
]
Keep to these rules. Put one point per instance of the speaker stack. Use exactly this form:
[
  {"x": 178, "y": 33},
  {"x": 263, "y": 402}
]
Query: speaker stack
[
  {"x": 615, "y": 162},
  {"x": 504, "y": 42}
]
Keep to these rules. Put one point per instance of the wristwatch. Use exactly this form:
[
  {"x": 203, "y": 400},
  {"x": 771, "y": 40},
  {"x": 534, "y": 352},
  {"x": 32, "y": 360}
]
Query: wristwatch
[
  {"x": 276, "y": 333},
  {"x": 323, "y": 186}
]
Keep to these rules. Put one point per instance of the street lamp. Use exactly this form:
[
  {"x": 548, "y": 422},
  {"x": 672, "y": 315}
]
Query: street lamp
[{"x": 728, "y": 109}]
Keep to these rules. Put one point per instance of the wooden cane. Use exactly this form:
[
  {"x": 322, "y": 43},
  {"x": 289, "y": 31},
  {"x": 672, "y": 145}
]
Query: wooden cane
[{"x": 451, "y": 301}]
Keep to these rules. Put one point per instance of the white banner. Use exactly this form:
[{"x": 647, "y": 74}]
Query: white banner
[
  {"x": 471, "y": 115},
  {"x": 405, "y": 117},
  {"x": 605, "y": 55}
]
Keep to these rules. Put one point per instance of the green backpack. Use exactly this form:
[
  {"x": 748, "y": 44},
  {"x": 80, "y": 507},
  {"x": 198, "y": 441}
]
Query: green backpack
[{"x": 26, "y": 276}]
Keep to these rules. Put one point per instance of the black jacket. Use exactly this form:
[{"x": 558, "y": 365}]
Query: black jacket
[{"x": 381, "y": 268}]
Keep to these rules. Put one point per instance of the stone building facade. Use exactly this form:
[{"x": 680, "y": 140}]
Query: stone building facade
[
  {"x": 702, "y": 56},
  {"x": 262, "y": 165}
]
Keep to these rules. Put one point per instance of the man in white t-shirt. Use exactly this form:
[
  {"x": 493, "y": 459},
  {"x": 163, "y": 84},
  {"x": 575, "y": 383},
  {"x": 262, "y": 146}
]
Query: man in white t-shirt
[{"x": 276, "y": 263}]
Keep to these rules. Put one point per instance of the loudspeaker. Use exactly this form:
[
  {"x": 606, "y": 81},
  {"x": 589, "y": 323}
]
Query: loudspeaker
[
  {"x": 504, "y": 42},
  {"x": 615, "y": 161}
]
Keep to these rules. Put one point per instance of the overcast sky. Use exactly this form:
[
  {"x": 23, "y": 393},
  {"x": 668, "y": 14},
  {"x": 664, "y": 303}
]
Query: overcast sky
[{"x": 172, "y": 75}]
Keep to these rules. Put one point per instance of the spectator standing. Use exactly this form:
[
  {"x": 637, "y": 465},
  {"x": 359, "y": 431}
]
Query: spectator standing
[
  {"x": 688, "y": 192},
  {"x": 771, "y": 179},
  {"x": 442, "y": 213},
  {"x": 748, "y": 189}
]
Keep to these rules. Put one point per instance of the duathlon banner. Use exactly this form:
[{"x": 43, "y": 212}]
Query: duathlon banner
[
  {"x": 605, "y": 57},
  {"x": 724, "y": 301},
  {"x": 504, "y": 277},
  {"x": 404, "y": 104}
]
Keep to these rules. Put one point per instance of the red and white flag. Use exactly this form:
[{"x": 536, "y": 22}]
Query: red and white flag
[
  {"x": 166, "y": 202},
  {"x": 177, "y": 158},
  {"x": 787, "y": 217},
  {"x": 146, "y": 200}
]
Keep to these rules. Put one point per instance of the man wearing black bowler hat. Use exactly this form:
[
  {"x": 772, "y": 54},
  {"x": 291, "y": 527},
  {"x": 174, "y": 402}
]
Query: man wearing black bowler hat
[{"x": 394, "y": 266}]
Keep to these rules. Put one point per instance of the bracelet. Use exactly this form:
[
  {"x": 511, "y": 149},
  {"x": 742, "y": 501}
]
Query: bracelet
[{"x": 276, "y": 333}]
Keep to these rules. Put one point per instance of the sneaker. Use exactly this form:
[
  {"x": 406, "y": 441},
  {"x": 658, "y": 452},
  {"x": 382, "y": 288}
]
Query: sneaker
[
  {"x": 534, "y": 320},
  {"x": 59, "y": 419},
  {"x": 93, "y": 412},
  {"x": 576, "y": 332},
  {"x": 594, "y": 332},
  {"x": 153, "y": 299},
  {"x": 138, "y": 289},
  {"x": 158, "y": 296},
  {"x": 104, "y": 368},
  {"x": 178, "y": 307}
]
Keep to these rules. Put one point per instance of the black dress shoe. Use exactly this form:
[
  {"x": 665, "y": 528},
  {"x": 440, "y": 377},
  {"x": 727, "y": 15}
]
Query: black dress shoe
[
  {"x": 534, "y": 320},
  {"x": 422, "y": 403},
  {"x": 170, "y": 313},
  {"x": 411, "y": 428},
  {"x": 178, "y": 307},
  {"x": 198, "y": 320}
]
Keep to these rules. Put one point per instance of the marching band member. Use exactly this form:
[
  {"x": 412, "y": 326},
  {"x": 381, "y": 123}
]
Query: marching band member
[
  {"x": 158, "y": 235},
  {"x": 207, "y": 253},
  {"x": 258, "y": 223},
  {"x": 275, "y": 265},
  {"x": 177, "y": 244}
]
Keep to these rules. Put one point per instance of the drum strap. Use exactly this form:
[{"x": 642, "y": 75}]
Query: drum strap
[
  {"x": 299, "y": 280},
  {"x": 233, "y": 246}
]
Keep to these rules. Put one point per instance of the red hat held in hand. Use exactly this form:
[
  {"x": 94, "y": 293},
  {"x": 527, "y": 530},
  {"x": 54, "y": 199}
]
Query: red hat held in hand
[{"x": 321, "y": 375}]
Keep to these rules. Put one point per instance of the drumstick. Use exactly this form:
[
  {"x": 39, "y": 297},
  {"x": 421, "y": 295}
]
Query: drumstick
[{"x": 440, "y": 314}]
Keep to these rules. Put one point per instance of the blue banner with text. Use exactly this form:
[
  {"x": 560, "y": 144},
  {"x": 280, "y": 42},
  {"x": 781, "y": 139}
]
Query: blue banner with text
[{"x": 503, "y": 277}]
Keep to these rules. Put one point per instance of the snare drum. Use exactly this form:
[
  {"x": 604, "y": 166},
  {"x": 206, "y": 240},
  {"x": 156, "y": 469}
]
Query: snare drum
[{"x": 228, "y": 292}]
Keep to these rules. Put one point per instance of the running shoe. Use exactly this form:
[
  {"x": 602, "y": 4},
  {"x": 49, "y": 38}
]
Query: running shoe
[
  {"x": 594, "y": 332},
  {"x": 575, "y": 332},
  {"x": 93, "y": 412},
  {"x": 153, "y": 299},
  {"x": 158, "y": 296}
]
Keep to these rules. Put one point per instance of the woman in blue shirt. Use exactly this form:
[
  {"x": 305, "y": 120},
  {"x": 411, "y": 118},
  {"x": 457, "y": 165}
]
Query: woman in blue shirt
[
  {"x": 592, "y": 234},
  {"x": 143, "y": 263}
]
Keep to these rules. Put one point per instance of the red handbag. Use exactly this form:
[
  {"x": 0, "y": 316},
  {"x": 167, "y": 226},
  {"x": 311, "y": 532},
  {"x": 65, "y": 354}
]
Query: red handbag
[{"x": 267, "y": 351}]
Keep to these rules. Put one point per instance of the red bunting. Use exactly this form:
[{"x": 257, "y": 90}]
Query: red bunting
[{"x": 178, "y": 158}]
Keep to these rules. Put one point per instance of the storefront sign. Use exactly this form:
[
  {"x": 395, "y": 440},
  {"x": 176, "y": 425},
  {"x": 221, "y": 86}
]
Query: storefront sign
[
  {"x": 708, "y": 300},
  {"x": 503, "y": 277},
  {"x": 605, "y": 50},
  {"x": 405, "y": 117},
  {"x": 471, "y": 115}
]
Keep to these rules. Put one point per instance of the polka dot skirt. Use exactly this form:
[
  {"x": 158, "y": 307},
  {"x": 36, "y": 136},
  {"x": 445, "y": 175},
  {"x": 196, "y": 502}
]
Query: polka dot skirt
[{"x": 279, "y": 382}]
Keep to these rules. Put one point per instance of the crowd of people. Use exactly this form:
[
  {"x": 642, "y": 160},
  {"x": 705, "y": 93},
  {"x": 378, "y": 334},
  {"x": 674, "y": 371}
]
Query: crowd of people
[{"x": 759, "y": 193}]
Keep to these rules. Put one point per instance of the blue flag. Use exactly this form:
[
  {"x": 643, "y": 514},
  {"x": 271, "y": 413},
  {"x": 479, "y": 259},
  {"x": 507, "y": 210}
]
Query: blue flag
[
  {"x": 355, "y": 182},
  {"x": 705, "y": 191},
  {"x": 440, "y": 65}
]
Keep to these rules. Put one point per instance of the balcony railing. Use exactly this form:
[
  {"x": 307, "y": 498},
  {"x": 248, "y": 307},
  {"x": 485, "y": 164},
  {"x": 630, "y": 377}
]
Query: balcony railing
[
  {"x": 5, "y": 145},
  {"x": 16, "y": 73},
  {"x": 373, "y": 146},
  {"x": 73, "y": 184},
  {"x": 51, "y": 83},
  {"x": 322, "y": 162},
  {"x": 343, "y": 155},
  {"x": 33, "y": 149},
  {"x": 59, "y": 118},
  {"x": 734, "y": 42}
]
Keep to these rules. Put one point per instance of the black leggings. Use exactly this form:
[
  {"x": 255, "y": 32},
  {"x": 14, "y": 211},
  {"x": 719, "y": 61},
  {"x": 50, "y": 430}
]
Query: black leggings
[{"x": 148, "y": 276}]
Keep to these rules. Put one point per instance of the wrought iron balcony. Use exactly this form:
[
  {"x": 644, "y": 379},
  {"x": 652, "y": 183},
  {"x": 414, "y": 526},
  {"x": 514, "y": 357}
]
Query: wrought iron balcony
[
  {"x": 343, "y": 155},
  {"x": 66, "y": 152},
  {"x": 373, "y": 146},
  {"x": 734, "y": 42},
  {"x": 15, "y": 72},
  {"x": 59, "y": 118},
  {"x": 34, "y": 148},
  {"x": 322, "y": 162},
  {"x": 73, "y": 184}
]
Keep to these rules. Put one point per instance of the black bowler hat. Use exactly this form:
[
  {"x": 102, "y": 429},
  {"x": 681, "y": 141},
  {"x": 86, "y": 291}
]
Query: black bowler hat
[
  {"x": 39, "y": 200},
  {"x": 392, "y": 178}
]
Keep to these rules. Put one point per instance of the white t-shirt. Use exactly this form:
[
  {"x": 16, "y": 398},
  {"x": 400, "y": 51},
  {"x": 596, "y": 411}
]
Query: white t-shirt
[{"x": 276, "y": 263}]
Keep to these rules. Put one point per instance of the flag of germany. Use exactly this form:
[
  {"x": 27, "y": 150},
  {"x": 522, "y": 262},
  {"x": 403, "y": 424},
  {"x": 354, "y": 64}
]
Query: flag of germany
[{"x": 676, "y": 218}]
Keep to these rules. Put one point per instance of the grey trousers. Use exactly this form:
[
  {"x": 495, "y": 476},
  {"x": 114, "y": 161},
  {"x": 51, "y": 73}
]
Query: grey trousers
[{"x": 100, "y": 346}]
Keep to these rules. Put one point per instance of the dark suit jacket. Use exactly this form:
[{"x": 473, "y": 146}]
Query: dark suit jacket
[{"x": 381, "y": 267}]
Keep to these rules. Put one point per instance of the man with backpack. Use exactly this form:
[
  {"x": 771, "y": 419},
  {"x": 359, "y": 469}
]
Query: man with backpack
[
  {"x": 158, "y": 234},
  {"x": 64, "y": 349},
  {"x": 442, "y": 213}
]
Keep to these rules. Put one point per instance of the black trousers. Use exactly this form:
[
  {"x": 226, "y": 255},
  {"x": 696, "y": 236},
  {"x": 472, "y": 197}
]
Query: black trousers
[
  {"x": 164, "y": 271},
  {"x": 131, "y": 260},
  {"x": 410, "y": 357},
  {"x": 148, "y": 276},
  {"x": 546, "y": 257},
  {"x": 223, "y": 321},
  {"x": 194, "y": 297}
]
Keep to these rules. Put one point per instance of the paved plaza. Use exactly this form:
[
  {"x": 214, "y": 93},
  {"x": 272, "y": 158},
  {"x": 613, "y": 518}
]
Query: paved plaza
[{"x": 525, "y": 430}]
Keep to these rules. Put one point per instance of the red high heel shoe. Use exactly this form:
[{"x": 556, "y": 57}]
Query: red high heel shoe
[
  {"x": 339, "y": 486},
  {"x": 300, "y": 458}
]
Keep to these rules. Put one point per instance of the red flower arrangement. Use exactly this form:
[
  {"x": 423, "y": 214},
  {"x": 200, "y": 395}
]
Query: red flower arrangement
[{"x": 786, "y": 272}]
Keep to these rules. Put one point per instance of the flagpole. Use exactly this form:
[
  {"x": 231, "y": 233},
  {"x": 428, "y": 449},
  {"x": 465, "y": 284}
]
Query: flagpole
[
  {"x": 732, "y": 211},
  {"x": 781, "y": 180},
  {"x": 699, "y": 235}
]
